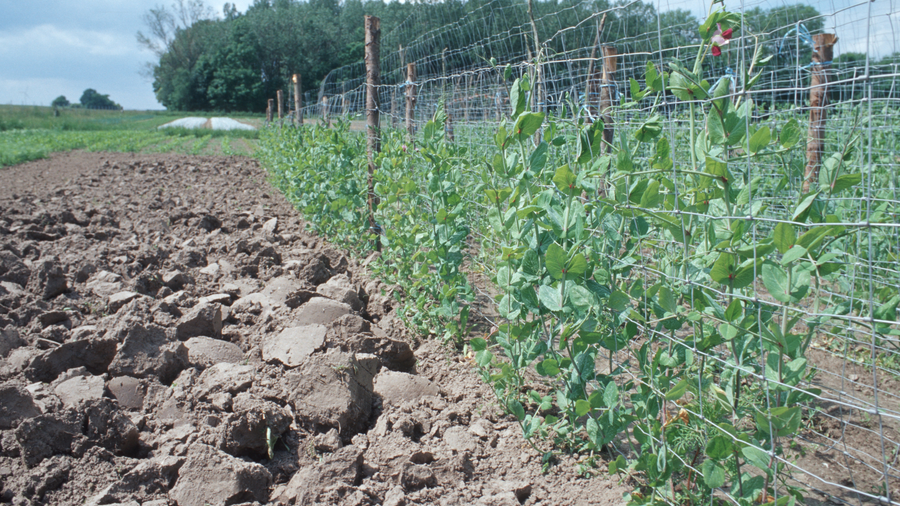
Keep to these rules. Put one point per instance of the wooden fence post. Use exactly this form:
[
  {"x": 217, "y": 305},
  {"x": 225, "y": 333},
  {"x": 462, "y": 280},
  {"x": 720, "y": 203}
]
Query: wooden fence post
[
  {"x": 607, "y": 94},
  {"x": 325, "y": 112},
  {"x": 373, "y": 135},
  {"x": 823, "y": 50},
  {"x": 280, "y": 96},
  {"x": 298, "y": 100},
  {"x": 269, "y": 106},
  {"x": 410, "y": 101}
]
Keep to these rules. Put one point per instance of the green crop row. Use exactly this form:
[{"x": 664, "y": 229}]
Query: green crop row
[
  {"x": 664, "y": 293},
  {"x": 17, "y": 146}
]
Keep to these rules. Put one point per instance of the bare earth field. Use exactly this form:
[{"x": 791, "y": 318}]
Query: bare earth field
[{"x": 172, "y": 336}]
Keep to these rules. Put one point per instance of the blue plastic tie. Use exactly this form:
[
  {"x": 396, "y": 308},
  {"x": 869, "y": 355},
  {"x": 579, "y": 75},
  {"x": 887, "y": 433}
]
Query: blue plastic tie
[
  {"x": 801, "y": 32},
  {"x": 729, "y": 74}
]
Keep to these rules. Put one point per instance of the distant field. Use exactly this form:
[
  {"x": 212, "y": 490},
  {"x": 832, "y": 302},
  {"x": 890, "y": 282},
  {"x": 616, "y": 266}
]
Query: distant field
[{"x": 33, "y": 132}]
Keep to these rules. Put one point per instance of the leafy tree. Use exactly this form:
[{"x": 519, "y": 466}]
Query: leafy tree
[
  {"x": 60, "y": 101},
  {"x": 236, "y": 83},
  {"x": 90, "y": 99}
]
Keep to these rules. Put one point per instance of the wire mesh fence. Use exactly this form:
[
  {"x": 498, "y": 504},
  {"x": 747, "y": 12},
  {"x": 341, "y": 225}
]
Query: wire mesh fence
[{"x": 577, "y": 55}]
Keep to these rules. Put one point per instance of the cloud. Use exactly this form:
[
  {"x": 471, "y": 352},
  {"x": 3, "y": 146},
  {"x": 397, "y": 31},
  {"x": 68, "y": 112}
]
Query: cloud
[
  {"x": 59, "y": 47},
  {"x": 43, "y": 40}
]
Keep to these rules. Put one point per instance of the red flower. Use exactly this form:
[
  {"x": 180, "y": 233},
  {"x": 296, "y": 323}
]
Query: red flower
[{"x": 720, "y": 38}]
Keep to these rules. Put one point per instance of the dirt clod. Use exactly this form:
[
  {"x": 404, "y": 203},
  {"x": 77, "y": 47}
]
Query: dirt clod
[{"x": 173, "y": 336}]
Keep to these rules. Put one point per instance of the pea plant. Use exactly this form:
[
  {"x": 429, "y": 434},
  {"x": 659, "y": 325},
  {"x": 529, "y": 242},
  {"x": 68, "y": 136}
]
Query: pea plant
[
  {"x": 421, "y": 219},
  {"x": 668, "y": 272},
  {"x": 650, "y": 307}
]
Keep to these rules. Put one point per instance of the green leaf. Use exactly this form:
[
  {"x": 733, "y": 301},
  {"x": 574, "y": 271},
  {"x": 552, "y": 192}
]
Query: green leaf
[
  {"x": 793, "y": 254},
  {"x": 666, "y": 299},
  {"x": 649, "y": 130},
  {"x": 517, "y": 410},
  {"x": 509, "y": 308},
  {"x": 784, "y": 237},
  {"x": 734, "y": 311},
  {"x": 845, "y": 181},
  {"x": 723, "y": 271},
  {"x": 716, "y": 167},
  {"x": 790, "y": 134},
  {"x": 577, "y": 265},
  {"x": 785, "y": 420},
  {"x": 590, "y": 142},
  {"x": 531, "y": 263},
  {"x": 812, "y": 238},
  {"x": 678, "y": 391},
  {"x": 538, "y": 158},
  {"x": 728, "y": 331},
  {"x": 527, "y": 124},
  {"x": 760, "y": 139},
  {"x": 516, "y": 98},
  {"x": 483, "y": 358},
  {"x": 715, "y": 128},
  {"x": 804, "y": 204},
  {"x": 679, "y": 86},
  {"x": 758, "y": 250},
  {"x": 713, "y": 474},
  {"x": 565, "y": 180},
  {"x": 593, "y": 431},
  {"x": 581, "y": 298},
  {"x": 618, "y": 301},
  {"x": 550, "y": 298},
  {"x": 616, "y": 465},
  {"x": 775, "y": 279},
  {"x": 478, "y": 344},
  {"x": 757, "y": 458},
  {"x": 719, "y": 447},
  {"x": 582, "y": 407},
  {"x": 610, "y": 394},
  {"x": 548, "y": 367},
  {"x": 555, "y": 260},
  {"x": 650, "y": 197}
]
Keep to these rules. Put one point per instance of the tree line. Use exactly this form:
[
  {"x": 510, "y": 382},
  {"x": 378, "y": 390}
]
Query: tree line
[
  {"x": 90, "y": 99},
  {"x": 234, "y": 61}
]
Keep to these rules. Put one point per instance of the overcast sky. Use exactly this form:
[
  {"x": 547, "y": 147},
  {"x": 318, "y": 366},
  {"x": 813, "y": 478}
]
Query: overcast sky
[
  {"x": 50, "y": 48},
  {"x": 62, "y": 47}
]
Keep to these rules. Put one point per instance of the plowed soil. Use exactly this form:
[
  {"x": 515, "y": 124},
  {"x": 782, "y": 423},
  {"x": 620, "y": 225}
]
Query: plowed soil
[{"x": 172, "y": 336}]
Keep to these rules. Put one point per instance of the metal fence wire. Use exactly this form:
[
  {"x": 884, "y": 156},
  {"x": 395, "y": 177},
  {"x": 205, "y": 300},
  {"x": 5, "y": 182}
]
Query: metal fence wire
[{"x": 848, "y": 447}]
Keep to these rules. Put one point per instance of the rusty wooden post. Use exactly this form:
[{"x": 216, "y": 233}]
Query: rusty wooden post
[
  {"x": 410, "y": 100},
  {"x": 373, "y": 135},
  {"x": 298, "y": 100},
  {"x": 823, "y": 50},
  {"x": 280, "y": 96},
  {"x": 269, "y": 106},
  {"x": 607, "y": 94}
]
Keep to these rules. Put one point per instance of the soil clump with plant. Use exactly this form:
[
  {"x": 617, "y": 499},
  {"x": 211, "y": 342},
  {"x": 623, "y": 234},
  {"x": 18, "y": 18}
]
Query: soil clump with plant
[{"x": 172, "y": 336}]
